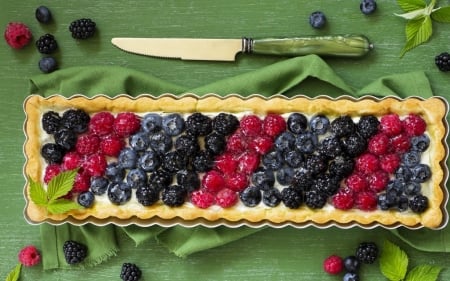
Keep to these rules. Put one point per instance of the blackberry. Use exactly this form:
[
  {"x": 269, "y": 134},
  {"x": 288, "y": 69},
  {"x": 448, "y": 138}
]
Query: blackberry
[
  {"x": 354, "y": 145},
  {"x": 147, "y": 195},
  {"x": 203, "y": 161},
  {"x": 367, "y": 252},
  {"x": 330, "y": 147},
  {"x": 188, "y": 144},
  {"x": 442, "y": 61},
  {"x": 297, "y": 123},
  {"x": 66, "y": 138},
  {"x": 198, "y": 124},
  {"x": 315, "y": 199},
  {"x": 46, "y": 44},
  {"x": 52, "y": 153},
  {"x": 160, "y": 179},
  {"x": 292, "y": 197},
  {"x": 173, "y": 195},
  {"x": 419, "y": 204},
  {"x": 173, "y": 124},
  {"x": 82, "y": 28},
  {"x": 188, "y": 179},
  {"x": 174, "y": 161},
  {"x": 160, "y": 142},
  {"x": 51, "y": 121},
  {"x": 114, "y": 172},
  {"x": 326, "y": 184},
  {"x": 149, "y": 161},
  {"x": 119, "y": 193},
  {"x": 48, "y": 64},
  {"x": 136, "y": 178},
  {"x": 76, "y": 120},
  {"x": 215, "y": 143},
  {"x": 250, "y": 196},
  {"x": 341, "y": 166},
  {"x": 225, "y": 123},
  {"x": 99, "y": 185},
  {"x": 139, "y": 141},
  {"x": 271, "y": 197},
  {"x": 74, "y": 252},
  {"x": 263, "y": 178},
  {"x": 86, "y": 199},
  {"x": 316, "y": 164},
  {"x": 302, "y": 179},
  {"x": 342, "y": 126},
  {"x": 130, "y": 272},
  {"x": 367, "y": 126},
  {"x": 317, "y": 19}
]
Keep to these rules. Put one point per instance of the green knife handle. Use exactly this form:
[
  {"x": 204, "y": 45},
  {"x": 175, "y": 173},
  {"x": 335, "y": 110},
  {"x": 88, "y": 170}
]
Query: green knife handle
[{"x": 333, "y": 45}]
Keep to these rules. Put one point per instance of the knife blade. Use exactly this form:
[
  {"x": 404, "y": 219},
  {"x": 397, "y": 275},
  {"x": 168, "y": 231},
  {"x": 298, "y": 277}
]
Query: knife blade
[{"x": 350, "y": 45}]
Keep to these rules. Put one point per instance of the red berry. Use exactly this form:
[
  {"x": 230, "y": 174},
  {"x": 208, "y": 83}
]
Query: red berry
[
  {"x": 357, "y": 182},
  {"x": 251, "y": 125},
  {"x": 29, "y": 256},
  {"x": 237, "y": 181},
  {"x": 366, "y": 200},
  {"x": 236, "y": 143},
  {"x": 344, "y": 199},
  {"x": 111, "y": 145},
  {"x": 248, "y": 162},
  {"x": 390, "y": 162},
  {"x": 213, "y": 181},
  {"x": 94, "y": 165},
  {"x": 367, "y": 163},
  {"x": 226, "y": 163},
  {"x": 378, "y": 181},
  {"x": 82, "y": 182},
  {"x": 87, "y": 144},
  {"x": 333, "y": 264},
  {"x": 379, "y": 144},
  {"x": 391, "y": 124},
  {"x": 202, "y": 198},
  {"x": 71, "y": 160},
  {"x": 126, "y": 123},
  {"x": 414, "y": 125},
  {"x": 273, "y": 125},
  {"x": 400, "y": 143},
  {"x": 51, "y": 171},
  {"x": 226, "y": 198},
  {"x": 17, "y": 35},
  {"x": 261, "y": 144},
  {"x": 101, "y": 123}
]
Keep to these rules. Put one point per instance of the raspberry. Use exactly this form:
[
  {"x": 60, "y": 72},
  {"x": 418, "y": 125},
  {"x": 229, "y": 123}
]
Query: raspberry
[
  {"x": 126, "y": 123},
  {"x": 366, "y": 200},
  {"x": 17, "y": 35},
  {"x": 29, "y": 256},
  {"x": 87, "y": 144},
  {"x": 237, "y": 182},
  {"x": 391, "y": 124},
  {"x": 95, "y": 165},
  {"x": 226, "y": 163},
  {"x": 414, "y": 125},
  {"x": 261, "y": 144},
  {"x": 248, "y": 162},
  {"x": 51, "y": 171},
  {"x": 236, "y": 143},
  {"x": 378, "y": 181},
  {"x": 71, "y": 160},
  {"x": 82, "y": 183},
  {"x": 400, "y": 143},
  {"x": 367, "y": 163},
  {"x": 111, "y": 145},
  {"x": 273, "y": 125},
  {"x": 251, "y": 125},
  {"x": 101, "y": 123},
  {"x": 333, "y": 264},
  {"x": 378, "y": 144},
  {"x": 202, "y": 198},
  {"x": 226, "y": 198},
  {"x": 344, "y": 199},
  {"x": 357, "y": 182},
  {"x": 213, "y": 181},
  {"x": 390, "y": 162}
]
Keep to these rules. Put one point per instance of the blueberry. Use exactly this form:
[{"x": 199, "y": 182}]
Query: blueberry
[
  {"x": 52, "y": 153},
  {"x": 403, "y": 203},
  {"x": 351, "y": 264},
  {"x": 160, "y": 142},
  {"x": 86, "y": 199},
  {"x": 411, "y": 158},
  {"x": 285, "y": 175},
  {"x": 420, "y": 173},
  {"x": 350, "y": 276},
  {"x": 43, "y": 14},
  {"x": 294, "y": 158},
  {"x": 136, "y": 178},
  {"x": 317, "y": 19},
  {"x": 319, "y": 124},
  {"x": 173, "y": 124},
  {"x": 273, "y": 160},
  {"x": 263, "y": 178},
  {"x": 412, "y": 188},
  {"x": 149, "y": 161},
  {"x": 99, "y": 185},
  {"x": 271, "y": 197},
  {"x": 139, "y": 141},
  {"x": 297, "y": 123},
  {"x": 119, "y": 193},
  {"x": 48, "y": 64},
  {"x": 127, "y": 158},
  {"x": 151, "y": 122},
  {"x": 307, "y": 142},
  {"x": 403, "y": 172},
  {"x": 420, "y": 143},
  {"x": 367, "y": 7},
  {"x": 114, "y": 172},
  {"x": 250, "y": 196},
  {"x": 285, "y": 141}
]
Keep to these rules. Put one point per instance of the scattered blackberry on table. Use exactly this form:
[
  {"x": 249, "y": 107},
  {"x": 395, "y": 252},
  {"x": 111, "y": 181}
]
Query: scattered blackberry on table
[
  {"x": 173, "y": 195},
  {"x": 342, "y": 126},
  {"x": 367, "y": 126},
  {"x": 297, "y": 123},
  {"x": 17, "y": 35},
  {"x": 130, "y": 272},
  {"x": 419, "y": 204},
  {"x": 225, "y": 123},
  {"x": 147, "y": 195},
  {"x": 317, "y": 19},
  {"x": 52, "y": 153},
  {"x": 173, "y": 124},
  {"x": 367, "y": 252},
  {"x": 149, "y": 161},
  {"x": 86, "y": 199},
  {"x": 43, "y": 14},
  {"x": 442, "y": 61},
  {"x": 51, "y": 121},
  {"x": 271, "y": 197},
  {"x": 292, "y": 197},
  {"x": 215, "y": 143},
  {"x": 76, "y": 120},
  {"x": 48, "y": 64},
  {"x": 82, "y": 28},
  {"x": 250, "y": 196},
  {"x": 119, "y": 193},
  {"x": 368, "y": 7},
  {"x": 198, "y": 124},
  {"x": 74, "y": 252},
  {"x": 46, "y": 44}
]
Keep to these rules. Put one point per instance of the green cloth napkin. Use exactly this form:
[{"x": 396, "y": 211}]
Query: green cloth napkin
[{"x": 285, "y": 77}]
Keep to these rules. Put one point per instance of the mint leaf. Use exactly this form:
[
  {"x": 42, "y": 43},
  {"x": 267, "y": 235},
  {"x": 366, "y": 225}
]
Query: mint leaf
[
  {"x": 61, "y": 206},
  {"x": 61, "y": 184},
  {"x": 411, "y": 5},
  {"x": 14, "y": 274},
  {"x": 37, "y": 193},
  {"x": 393, "y": 262},
  {"x": 423, "y": 273},
  {"x": 417, "y": 32},
  {"x": 441, "y": 15}
]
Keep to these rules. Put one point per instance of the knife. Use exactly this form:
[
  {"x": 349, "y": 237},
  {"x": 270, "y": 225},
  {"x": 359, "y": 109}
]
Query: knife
[{"x": 226, "y": 49}]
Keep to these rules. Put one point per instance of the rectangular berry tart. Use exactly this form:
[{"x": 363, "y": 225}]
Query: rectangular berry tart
[{"x": 234, "y": 161}]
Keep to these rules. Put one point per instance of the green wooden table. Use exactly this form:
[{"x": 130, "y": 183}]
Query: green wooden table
[{"x": 271, "y": 254}]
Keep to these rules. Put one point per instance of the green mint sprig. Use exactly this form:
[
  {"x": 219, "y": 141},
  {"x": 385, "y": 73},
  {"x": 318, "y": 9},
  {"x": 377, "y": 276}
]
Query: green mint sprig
[
  {"x": 50, "y": 199},
  {"x": 419, "y": 16},
  {"x": 394, "y": 266}
]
